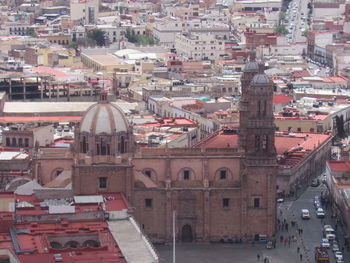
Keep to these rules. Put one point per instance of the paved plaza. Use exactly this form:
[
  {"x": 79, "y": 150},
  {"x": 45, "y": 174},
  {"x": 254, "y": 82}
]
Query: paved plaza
[{"x": 285, "y": 251}]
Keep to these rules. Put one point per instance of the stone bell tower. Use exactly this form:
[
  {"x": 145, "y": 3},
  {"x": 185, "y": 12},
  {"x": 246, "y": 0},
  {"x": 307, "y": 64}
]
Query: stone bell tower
[{"x": 257, "y": 143}]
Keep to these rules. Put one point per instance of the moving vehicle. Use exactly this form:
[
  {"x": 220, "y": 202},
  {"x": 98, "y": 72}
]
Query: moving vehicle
[
  {"x": 305, "y": 214},
  {"x": 315, "y": 182},
  {"x": 321, "y": 255},
  {"x": 329, "y": 233},
  {"x": 325, "y": 243},
  {"x": 320, "y": 213}
]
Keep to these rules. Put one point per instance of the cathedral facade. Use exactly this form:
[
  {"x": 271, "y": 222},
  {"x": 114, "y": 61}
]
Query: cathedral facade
[{"x": 216, "y": 194}]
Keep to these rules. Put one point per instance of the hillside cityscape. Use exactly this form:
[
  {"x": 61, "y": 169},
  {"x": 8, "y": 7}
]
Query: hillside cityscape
[{"x": 163, "y": 131}]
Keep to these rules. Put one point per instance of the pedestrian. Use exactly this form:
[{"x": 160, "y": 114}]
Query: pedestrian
[
  {"x": 342, "y": 249},
  {"x": 298, "y": 249},
  {"x": 285, "y": 242},
  {"x": 258, "y": 257},
  {"x": 301, "y": 257}
]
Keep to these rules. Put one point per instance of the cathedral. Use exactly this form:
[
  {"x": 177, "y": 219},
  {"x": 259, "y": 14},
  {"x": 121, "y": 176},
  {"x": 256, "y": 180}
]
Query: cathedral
[{"x": 217, "y": 194}]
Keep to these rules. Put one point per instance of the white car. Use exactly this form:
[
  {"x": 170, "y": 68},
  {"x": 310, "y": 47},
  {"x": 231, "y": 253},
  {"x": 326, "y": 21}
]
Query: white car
[
  {"x": 320, "y": 213},
  {"x": 325, "y": 243},
  {"x": 305, "y": 214},
  {"x": 327, "y": 226},
  {"x": 338, "y": 255},
  {"x": 329, "y": 233}
]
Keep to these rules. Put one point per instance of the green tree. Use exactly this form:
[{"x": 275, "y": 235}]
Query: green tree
[
  {"x": 97, "y": 35},
  {"x": 305, "y": 33},
  {"x": 281, "y": 29},
  {"x": 31, "y": 32},
  {"x": 283, "y": 15}
]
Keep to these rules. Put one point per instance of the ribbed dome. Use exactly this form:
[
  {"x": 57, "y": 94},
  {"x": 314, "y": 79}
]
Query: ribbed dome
[
  {"x": 260, "y": 79},
  {"x": 251, "y": 66},
  {"x": 104, "y": 118}
]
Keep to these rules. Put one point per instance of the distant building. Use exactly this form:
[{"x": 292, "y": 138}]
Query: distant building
[{"x": 199, "y": 46}]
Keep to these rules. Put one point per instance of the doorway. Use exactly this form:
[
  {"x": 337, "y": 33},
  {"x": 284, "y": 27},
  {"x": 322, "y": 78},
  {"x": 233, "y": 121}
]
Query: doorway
[{"x": 187, "y": 235}]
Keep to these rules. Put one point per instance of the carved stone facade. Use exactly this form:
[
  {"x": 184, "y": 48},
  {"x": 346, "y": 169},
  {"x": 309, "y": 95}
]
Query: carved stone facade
[{"x": 217, "y": 194}]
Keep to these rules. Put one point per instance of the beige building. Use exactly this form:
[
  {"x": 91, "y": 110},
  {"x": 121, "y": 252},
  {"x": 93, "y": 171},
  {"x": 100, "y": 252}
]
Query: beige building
[{"x": 199, "y": 46}]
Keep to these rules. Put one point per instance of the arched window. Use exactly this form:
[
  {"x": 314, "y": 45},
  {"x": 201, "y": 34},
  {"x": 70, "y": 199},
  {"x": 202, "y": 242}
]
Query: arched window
[
  {"x": 72, "y": 244},
  {"x": 259, "y": 108},
  {"x": 122, "y": 144},
  {"x": 20, "y": 142},
  {"x": 84, "y": 146},
  {"x": 14, "y": 142},
  {"x": 8, "y": 141}
]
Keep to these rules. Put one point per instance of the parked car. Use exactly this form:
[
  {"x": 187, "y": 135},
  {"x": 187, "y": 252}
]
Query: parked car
[
  {"x": 338, "y": 255},
  {"x": 305, "y": 214},
  {"x": 335, "y": 247}
]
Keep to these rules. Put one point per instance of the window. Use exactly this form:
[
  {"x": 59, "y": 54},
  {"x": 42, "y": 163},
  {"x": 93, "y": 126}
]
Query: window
[
  {"x": 26, "y": 142},
  {"x": 186, "y": 174},
  {"x": 256, "y": 202},
  {"x": 265, "y": 143},
  {"x": 148, "y": 203},
  {"x": 14, "y": 142},
  {"x": 222, "y": 174},
  {"x": 225, "y": 203},
  {"x": 8, "y": 142},
  {"x": 102, "y": 182},
  {"x": 299, "y": 129},
  {"x": 257, "y": 143},
  {"x": 312, "y": 130},
  {"x": 277, "y": 128},
  {"x": 259, "y": 107},
  {"x": 20, "y": 142},
  {"x": 148, "y": 173},
  {"x": 84, "y": 146}
]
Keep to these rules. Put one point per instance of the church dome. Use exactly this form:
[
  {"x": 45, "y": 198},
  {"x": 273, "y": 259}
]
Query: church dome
[
  {"x": 260, "y": 79},
  {"x": 104, "y": 118},
  {"x": 251, "y": 66}
]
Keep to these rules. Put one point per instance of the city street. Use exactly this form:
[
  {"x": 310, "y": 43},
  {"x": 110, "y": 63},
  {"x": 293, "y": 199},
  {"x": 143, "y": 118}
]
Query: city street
[{"x": 285, "y": 251}]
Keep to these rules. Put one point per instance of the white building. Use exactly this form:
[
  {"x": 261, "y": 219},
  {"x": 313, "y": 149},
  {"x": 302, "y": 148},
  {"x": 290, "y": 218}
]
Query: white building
[
  {"x": 18, "y": 29},
  {"x": 165, "y": 31},
  {"x": 85, "y": 11},
  {"x": 199, "y": 46},
  {"x": 114, "y": 32}
]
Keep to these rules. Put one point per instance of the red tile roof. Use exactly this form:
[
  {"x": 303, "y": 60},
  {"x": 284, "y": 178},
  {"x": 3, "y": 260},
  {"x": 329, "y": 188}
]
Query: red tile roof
[
  {"x": 292, "y": 148},
  {"x": 49, "y": 119},
  {"x": 281, "y": 99},
  {"x": 50, "y": 71},
  {"x": 339, "y": 166}
]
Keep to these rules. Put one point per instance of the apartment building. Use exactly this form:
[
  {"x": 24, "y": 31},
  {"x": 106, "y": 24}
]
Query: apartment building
[{"x": 199, "y": 46}]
